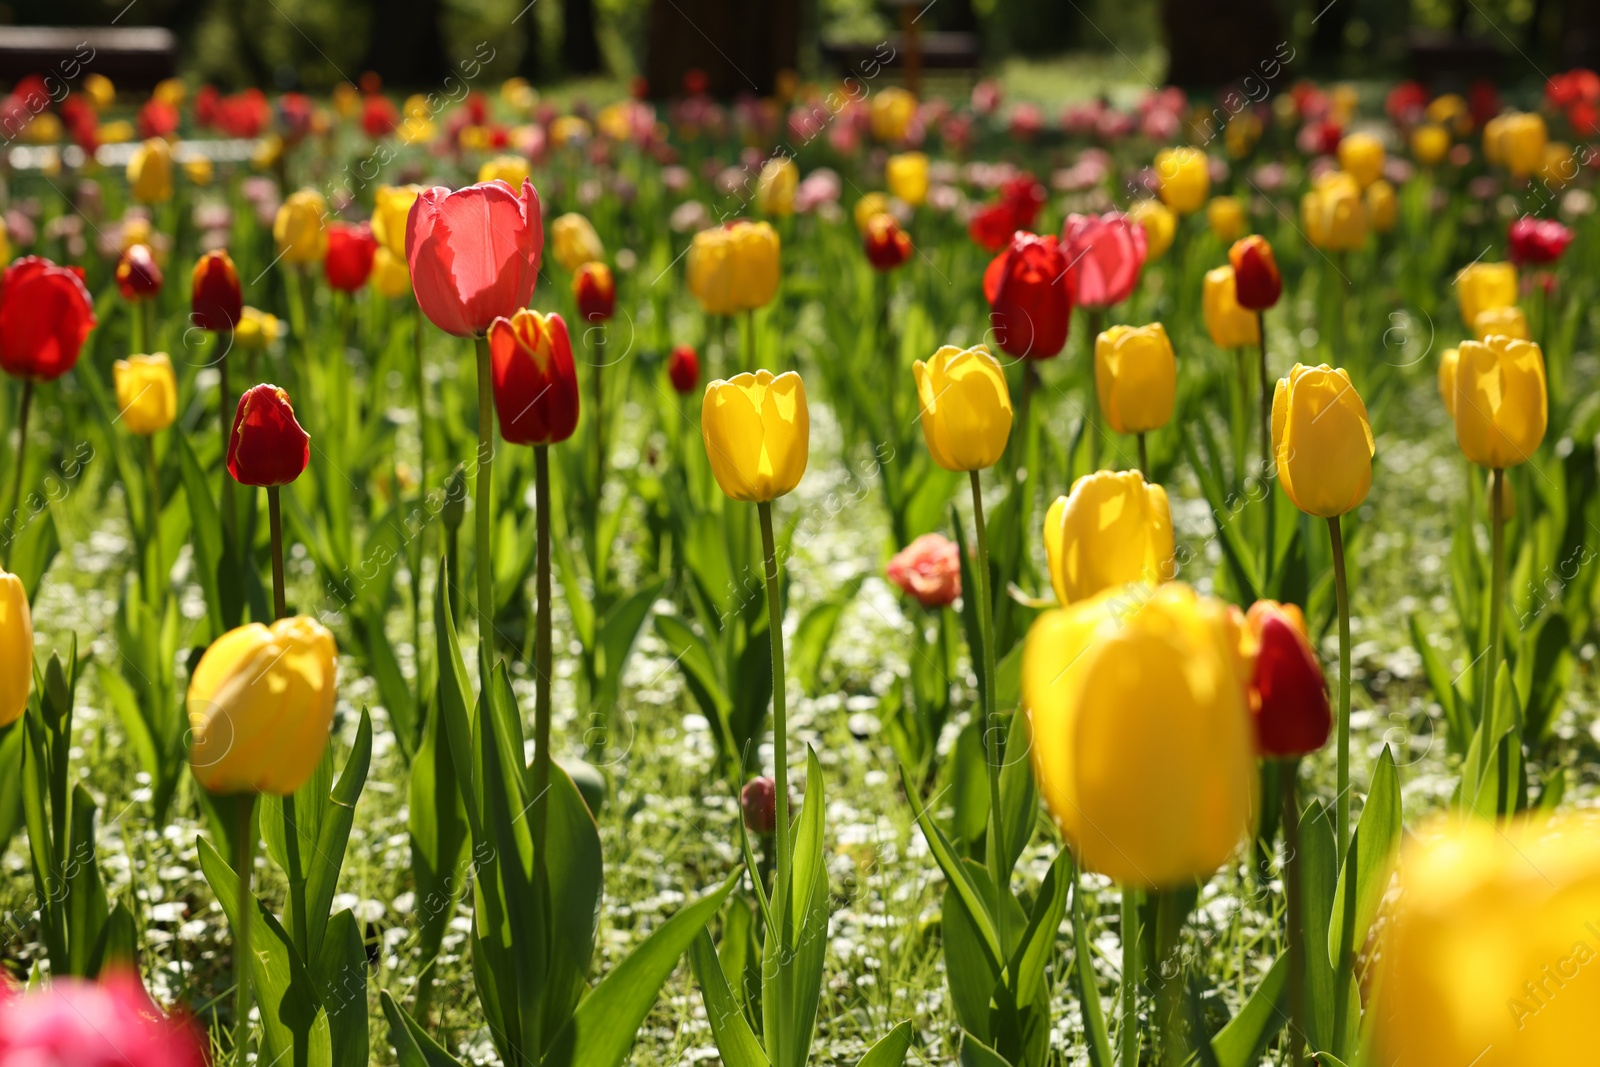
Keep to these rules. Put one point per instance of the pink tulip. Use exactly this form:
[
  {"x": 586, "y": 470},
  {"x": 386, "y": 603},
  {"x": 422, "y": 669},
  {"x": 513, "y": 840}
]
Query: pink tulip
[
  {"x": 1108, "y": 253},
  {"x": 110, "y": 1023},
  {"x": 474, "y": 254},
  {"x": 928, "y": 569}
]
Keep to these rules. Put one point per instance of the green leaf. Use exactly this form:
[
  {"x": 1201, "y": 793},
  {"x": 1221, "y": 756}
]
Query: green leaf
[
  {"x": 341, "y": 977},
  {"x": 118, "y": 945},
  {"x": 1094, "y": 1020},
  {"x": 398, "y": 697},
  {"x": 809, "y": 647},
  {"x": 891, "y": 1049},
  {"x": 11, "y": 743},
  {"x": 334, "y": 837},
  {"x": 86, "y": 907},
  {"x": 206, "y": 520},
  {"x": 736, "y": 1042},
  {"x": 1019, "y": 795},
  {"x": 577, "y": 876},
  {"x": 412, "y": 1044},
  {"x": 438, "y": 832},
  {"x": 969, "y": 968},
  {"x": 1458, "y": 718},
  {"x": 1243, "y": 1040},
  {"x": 1372, "y": 852},
  {"x": 1317, "y": 878},
  {"x": 618, "y": 633},
  {"x": 975, "y": 1053},
  {"x": 955, "y": 872},
  {"x": 792, "y": 967},
  {"x": 1039, "y": 939},
  {"x": 33, "y": 550}
]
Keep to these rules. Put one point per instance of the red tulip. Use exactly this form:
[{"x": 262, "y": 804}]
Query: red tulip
[
  {"x": 1029, "y": 288},
  {"x": 928, "y": 569},
  {"x": 596, "y": 291},
  {"x": 535, "y": 383},
  {"x": 349, "y": 259},
  {"x": 157, "y": 118},
  {"x": 379, "y": 116},
  {"x": 683, "y": 369},
  {"x": 109, "y": 1022},
  {"x": 1288, "y": 694},
  {"x": 1020, "y": 200},
  {"x": 886, "y": 244},
  {"x": 215, "y": 302},
  {"x": 474, "y": 254},
  {"x": 759, "y": 800},
  {"x": 1107, "y": 253},
  {"x": 267, "y": 445},
  {"x": 1538, "y": 240},
  {"x": 1256, "y": 281},
  {"x": 45, "y": 316},
  {"x": 138, "y": 274}
]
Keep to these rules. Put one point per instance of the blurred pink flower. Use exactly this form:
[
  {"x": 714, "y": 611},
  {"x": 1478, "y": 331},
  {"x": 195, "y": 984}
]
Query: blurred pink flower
[
  {"x": 928, "y": 569},
  {"x": 1107, "y": 253},
  {"x": 110, "y": 1023}
]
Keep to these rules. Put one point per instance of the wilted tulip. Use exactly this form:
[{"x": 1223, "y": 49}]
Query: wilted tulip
[
  {"x": 734, "y": 268},
  {"x": 757, "y": 433},
  {"x": 906, "y": 175},
  {"x": 928, "y": 570},
  {"x": 1322, "y": 440},
  {"x": 1183, "y": 178},
  {"x": 1361, "y": 156},
  {"x": 260, "y": 707},
  {"x": 215, "y": 301},
  {"x": 1159, "y": 224},
  {"x": 1112, "y": 529},
  {"x": 46, "y": 314},
  {"x": 1029, "y": 289},
  {"x": 474, "y": 254},
  {"x": 535, "y": 381},
  {"x": 147, "y": 393},
  {"x": 965, "y": 407},
  {"x": 266, "y": 445},
  {"x": 1256, "y": 281},
  {"x": 300, "y": 228},
  {"x": 1288, "y": 693},
  {"x": 1481, "y": 286},
  {"x": 16, "y": 649},
  {"x": 1135, "y": 377},
  {"x": 1229, "y": 324},
  {"x": 1107, "y": 252},
  {"x": 1501, "y": 403}
]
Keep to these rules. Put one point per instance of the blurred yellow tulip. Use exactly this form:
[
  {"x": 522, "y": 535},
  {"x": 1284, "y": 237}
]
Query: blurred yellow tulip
[
  {"x": 513, "y": 170},
  {"x": 965, "y": 405},
  {"x": 1383, "y": 209},
  {"x": 1516, "y": 141},
  {"x": 300, "y": 228},
  {"x": 1229, "y": 324},
  {"x": 1334, "y": 213},
  {"x": 256, "y": 330},
  {"x": 16, "y": 649},
  {"x": 906, "y": 175},
  {"x": 1502, "y": 406},
  {"x": 757, "y": 432},
  {"x": 391, "y": 208},
  {"x": 776, "y": 186},
  {"x": 1183, "y": 177},
  {"x": 150, "y": 172},
  {"x": 1112, "y": 529},
  {"x": 1225, "y": 217},
  {"x": 1482, "y": 286},
  {"x": 734, "y": 268},
  {"x": 199, "y": 170},
  {"x": 867, "y": 208},
  {"x": 390, "y": 276},
  {"x": 100, "y": 90},
  {"x": 1322, "y": 440},
  {"x": 574, "y": 241},
  {"x": 890, "y": 112},
  {"x": 1507, "y": 322},
  {"x": 1430, "y": 143},
  {"x": 1448, "y": 361},
  {"x": 1361, "y": 156},
  {"x": 1160, "y": 225},
  {"x": 147, "y": 393},
  {"x": 1135, "y": 377}
]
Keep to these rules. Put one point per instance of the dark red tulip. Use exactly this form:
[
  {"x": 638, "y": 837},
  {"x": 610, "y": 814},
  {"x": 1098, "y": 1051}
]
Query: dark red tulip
[
  {"x": 379, "y": 116},
  {"x": 535, "y": 382},
  {"x": 138, "y": 274},
  {"x": 683, "y": 369},
  {"x": 474, "y": 254},
  {"x": 215, "y": 302},
  {"x": 1538, "y": 241},
  {"x": 348, "y": 263},
  {"x": 267, "y": 445},
  {"x": 759, "y": 799},
  {"x": 886, "y": 244},
  {"x": 595, "y": 291},
  {"x": 1288, "y": 694},
  {"x": 1256, "y": 281},
  {"x": 1029, "y": 291},
  {"x": 45, "y": 316}
]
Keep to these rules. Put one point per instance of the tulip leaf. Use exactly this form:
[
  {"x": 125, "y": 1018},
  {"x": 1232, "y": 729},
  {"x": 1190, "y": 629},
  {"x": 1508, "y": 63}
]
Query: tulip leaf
[
  {"x": 577, "y": 877},
  {"x": 1544, "y": 669},
  {"x": 736, "y": 1042},
  {"x": 118, "y": 945},
  {"x": 86, "y": 907},
  {"x": 413, "y": 1046},
  {"x": 955, "y": 872},
  {"x": 436, "y": 823},
  {"x": 1225, "y": 505},
  {"x": 322, "y": 879},
  {"x": 809, "y": 647},
  {"x": 891, "y": 1048},
  {"x": 1038, "y": 944},
  {"x": 33, "y": 549},
  {"x": 792, "y": 965},
  {"x": 1370, "y": 859},
  {"x": 11, "y": 743},
  {"x": 206, "y": 520},
  {"x": 456, "y": 707},
  {"x": 1317, "y": 879},
  {"x": 399, "y": 699},
  {"x": 1456, "y": 715},
  {"x": 974, "y": 1053},
  {"x": 1243, "y": 1040},
  {"x": 37, "y": 806},
  {"x": 619, "y": 631},
  {"x": 341, "y": 976},
  {"x": 1019, "y": 794},
  {"x": 1094, "y": 1020},
  {"x": 969, "y": 967}
]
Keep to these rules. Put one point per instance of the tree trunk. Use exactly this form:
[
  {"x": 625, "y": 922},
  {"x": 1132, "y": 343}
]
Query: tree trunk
[{"x": 580, "y": 48}]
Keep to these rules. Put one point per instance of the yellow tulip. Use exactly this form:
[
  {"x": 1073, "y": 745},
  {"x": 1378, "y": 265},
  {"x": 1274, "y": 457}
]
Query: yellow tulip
[
  {"x": 734, "y": 268},
  {"x": 1142, "y": 741},
  {"x": 891, "y": 111},
  {"x": 1501, "y": 408},
  {"x": 1383, "y": 209},
  {"x": 391, "y": 208},
  {"x": 776, "y": 186},
  {"x": 1334, "y": 214},
  {"x": 390, "y": 277},
  {"x": 1160, "y": 225},
  {"x": 1430, "y": 143},
  {"x": 1490, "y": 957},
  {"x": 1448, "y": 361},
  {"x": 170, "y": 91},
  {"x": 1481, "y": 286},
  {"x": 966, "y": 407},
  {"x": 1361, "y": 156},
  {"x": 418, "y": 126},
  {"x": 150, "y": 172},
  {"x": 267, "y": 152},
  {"x": 16, "y": 649},
  {"x": 1225, "y": 216},
  {"x": 1451, "y": 110},
  {"x": 1112, "y": 529},
  {"x": 1516, "y": 141},
  {"x": 199, "y": 170},
  {"x": 867, "y": 208},
  {"x": 256, "y": 330},
  {"x": 513, "y": 170},
  {"x": 100, "y": 90},
  {"x": 1135, "y": 376},
  {"x": 757, "y": 432},
  {"x": 1322, "y": 440},
  {"x": 147, "y": 393},
  {"x": 574, "y": 241},
  {"x": 300, "y": 228},
  {"x": 1560, "y": 164},
  {"x": 260, "y": 707},
  {"x": 1507, "y": 322},
  {"x": 1184, "y": 178},
  {"x": 119, "y": 131},
  {"x": 906, "y": 175},
  {"x": 1230, "y": 325}
]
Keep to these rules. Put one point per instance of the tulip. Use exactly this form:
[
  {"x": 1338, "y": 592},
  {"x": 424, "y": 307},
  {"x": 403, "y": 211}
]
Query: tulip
[
  {"x": 1383, "y": 209},
  {"x": 1142, "y": 744},
  {"x": 1322, "y": 440},
  {"x": 758, "y": 801},
  {"x": 1256, "y": 281},
  {"x": 1029, "y": 289},
  {"x": 389, "y": 274},
  {"x": 887, "y": 246},
  {"x": 513, "y": 170},
  {"x": 256, "y": 331},
  {"x": 391, "y": 205},
  {"x": 966, "y": 407},
  {"x": 1107, "y": 252},
  {"x": 46, "y": 314},
  {"x": 595, "y": 291},
  {"x": 1537, "y": 241},
  {"x": 1501, "y": 406},
  {"x": 1507, "y": 322},
  {"x": 266, "y": 446},
  {"x": 1112, "y": 529},
  {"x": 1449, "y": 360},
  {"x": 574, "y": 242},
  {"x": 1288, "y": 694},
  {"x": 138, "y": 275},
  {"x": 1229, "y": 324},
  {"x": 775, "y": 188},
  {"x": 150, "y": 172},
  {"x": 260, "y": 707},
  {"x": 199, "y": 170},
  {"x": 1334, "y": 213},
  {"x": 93, "y": 1024},
  {"x": 928, "y": 570},
  {"x": 1481, "y": 286},
  {"x": 683, "y": 369},
  {"x": 16, "y": 649},
  {"x": 1361, "y": 156},
  {"x": 147, "y": 393},
  {"x": 535, "y": 381},
  {"x": 757, "y": 433},
  {"x": 474, "y": 254},
  {"x": 1517, "y": 142},
  {"x": 890, "y": 113},
  {"x": 868, "y": 208},
  {"x": 1135, "y": 377},
  {"x": 1559, "y": 165},
  {"x": 734, "y": 268},
  {"x": 300, "y": 228},
  {"x": 1159, "y": 224},
  {"x": 1430, "y": 143},
  {"x": 215, "y": 301},
  {"x": 1183, "y": 178},
  {"x": 906, "y": 175},
  {"x": 350, "y": 253},
  {"x": 1488, "y": 955},
  {"x": 1225, "y": 217}
]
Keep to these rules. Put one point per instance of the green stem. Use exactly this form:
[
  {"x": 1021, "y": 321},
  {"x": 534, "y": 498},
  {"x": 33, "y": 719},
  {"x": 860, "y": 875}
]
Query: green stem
[
  {"x": 1128, "y": 1031},
  {"x": 243, "y": 859},
  {"x": 1289, "y": 780},
  {"x": 156, "y": 593},
  {"x": 230, "y": 515},
  {"x": 483, "y": 559},
  {"x": 750, "y": 363},
  {"x": 542, "y": 664},
  {"x": 419, "y": 324},
  {"x": 10, "y": 528},
  {"x": 280, "y": 606},
  {"x": 1169, "y": 916},
  {"x": 1497, "y": 590},
  {"x": 1341, "y": 591},
  {"x": 992, "y": 728},
  {"x": 1092, "y": 408},
  {"x": 1144, "y": 457},
  {"x": 598, "y": 356},
  {"x": 1266, "y": 398},
  {"x": 782, "y": 888}
]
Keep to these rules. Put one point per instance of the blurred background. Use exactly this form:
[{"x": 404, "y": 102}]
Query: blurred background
[{"x": 1053, "y": 49}]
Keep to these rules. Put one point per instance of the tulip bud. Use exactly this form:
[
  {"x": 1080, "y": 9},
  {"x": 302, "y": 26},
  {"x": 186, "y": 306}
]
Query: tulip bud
[
  {"x": 535, "y": 381},
  {"x": 1481, "y": 286},
  {"x": 1501, "y": 401},
  {"x": 574, "y": 242},
  {"x": 1322, "y": 440},
  {"x": 348, "y": 262},
  {"x": 260, "y": 707},
  {"x": 45, "y": 317},
  {"x": 928, "y": 569},
  {"x": 966, "y": 407},
  {"x": 300, "y": 229},
  {"x": 1183, "y": 177},
  {"x": 906, "y": 175},
  {"x": 1225, "y": 217},
  {"x": 266, "y": 445},
  {"x": 759, "y": 800},
  {"x": 1135, "y": 377},
  {"x": 1256, "y": 281},
  {"x": 1361, "y": 156},
  {"x": 215, "y": 301},
  {"x": 138, "y": 274},
  {"x": 683, "y": 369},
  {"x": 1114, "y": 528},
  {"x": 595, "y": 291},
  {"x": 1229, "y": 324},
  {"x": 1288, "y": 693},
  {"x": 886, "y": 244},
  {"x": 16, "y": 649},
  {"x": 147, "y": 393},
  {"x": 757, "y": 433}
]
